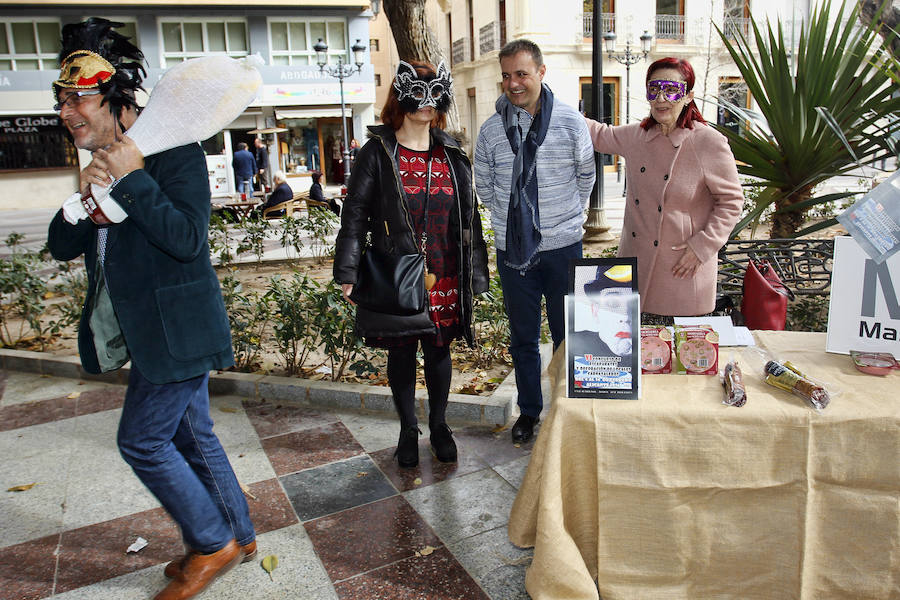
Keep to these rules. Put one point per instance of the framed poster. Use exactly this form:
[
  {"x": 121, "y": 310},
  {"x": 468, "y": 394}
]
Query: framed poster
[{"x": 603, "y": 329}]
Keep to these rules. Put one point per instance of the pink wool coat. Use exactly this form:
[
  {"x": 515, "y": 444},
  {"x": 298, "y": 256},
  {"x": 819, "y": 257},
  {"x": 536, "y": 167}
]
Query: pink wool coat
[{"x": 682, "y": 189}]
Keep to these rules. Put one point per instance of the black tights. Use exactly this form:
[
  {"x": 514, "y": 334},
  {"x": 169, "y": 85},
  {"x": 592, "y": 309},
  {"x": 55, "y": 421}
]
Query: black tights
[{"x": 401, "y": 372}]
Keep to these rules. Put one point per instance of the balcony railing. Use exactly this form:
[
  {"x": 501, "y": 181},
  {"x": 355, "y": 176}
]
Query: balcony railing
[
  {"x": 607, "y": 23},
  {"x": 670, "y": 27},
  {"x": 459, "y": 51},
  {"x": 734, "y": 27},
  {"x": 492, "y": 37}
]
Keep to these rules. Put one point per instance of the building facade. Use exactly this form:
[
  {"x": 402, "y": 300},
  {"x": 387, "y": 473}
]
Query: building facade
[
  {"x": 297, "y": 112},
  {"x": 564, "y": 31}
]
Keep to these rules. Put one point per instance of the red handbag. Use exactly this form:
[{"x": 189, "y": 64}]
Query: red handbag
[{"x": 764, "y": 304}]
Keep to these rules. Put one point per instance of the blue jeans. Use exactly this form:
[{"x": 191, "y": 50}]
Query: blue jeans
[
  {"x": 165, "y": 434},
  {"x": 522, "y": 291},
  {"x": 245, "y": 186}
]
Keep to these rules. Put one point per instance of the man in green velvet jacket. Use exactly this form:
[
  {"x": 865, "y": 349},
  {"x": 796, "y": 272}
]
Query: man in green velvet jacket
[{"x": 153, "y": 299}]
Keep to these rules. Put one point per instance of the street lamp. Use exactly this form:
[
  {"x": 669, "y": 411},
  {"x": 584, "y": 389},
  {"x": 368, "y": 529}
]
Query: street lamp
[
  {"x": 596, "y": 228},
  {"x": 341, "y": 71},
  {"x": 627, "y": 58}
]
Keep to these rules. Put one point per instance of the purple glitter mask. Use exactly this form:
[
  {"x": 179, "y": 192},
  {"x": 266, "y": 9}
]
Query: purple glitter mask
[
  {"x": 673, "y": 91},
  {"x": 414, "y": 93}
]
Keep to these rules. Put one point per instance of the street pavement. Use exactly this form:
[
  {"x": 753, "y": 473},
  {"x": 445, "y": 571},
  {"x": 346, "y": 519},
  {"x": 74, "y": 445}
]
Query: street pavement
[{"x": 325, "y": 494}]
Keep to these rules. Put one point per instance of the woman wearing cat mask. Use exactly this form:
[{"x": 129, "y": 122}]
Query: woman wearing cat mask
[{"x": 411, "y": 191}]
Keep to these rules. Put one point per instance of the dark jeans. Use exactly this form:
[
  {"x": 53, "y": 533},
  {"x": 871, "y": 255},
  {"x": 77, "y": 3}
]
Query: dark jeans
[
  {"x": 165, "y": 434},
  {"x": 522, "y": 292}
]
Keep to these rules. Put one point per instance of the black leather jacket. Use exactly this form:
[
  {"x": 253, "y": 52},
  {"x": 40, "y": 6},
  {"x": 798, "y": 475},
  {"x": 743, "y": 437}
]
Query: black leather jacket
[{"x": 375, "y": 204}]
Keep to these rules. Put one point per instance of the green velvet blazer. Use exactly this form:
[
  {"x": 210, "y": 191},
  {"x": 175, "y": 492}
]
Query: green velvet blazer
[{"x": 162, "y": 285}]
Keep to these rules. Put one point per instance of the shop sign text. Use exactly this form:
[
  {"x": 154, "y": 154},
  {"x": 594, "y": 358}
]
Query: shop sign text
[{"x": 27, "y": 124}]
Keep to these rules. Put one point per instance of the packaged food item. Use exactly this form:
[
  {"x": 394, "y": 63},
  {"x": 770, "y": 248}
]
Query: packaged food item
[
  {"x": 656, "y": 349},
  {"x": 787, "y": 377},
  {"x": 874, "y": 363},
  {"x": 696, "y": 350},
  {"x": 733, "y": 380}
]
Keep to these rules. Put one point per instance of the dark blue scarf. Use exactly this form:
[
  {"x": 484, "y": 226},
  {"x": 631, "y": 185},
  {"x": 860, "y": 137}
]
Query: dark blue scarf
[{"x": 523, "y": 221}]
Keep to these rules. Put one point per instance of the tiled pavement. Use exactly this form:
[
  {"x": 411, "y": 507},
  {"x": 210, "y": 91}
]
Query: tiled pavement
[{"x": 325, "y": 494}]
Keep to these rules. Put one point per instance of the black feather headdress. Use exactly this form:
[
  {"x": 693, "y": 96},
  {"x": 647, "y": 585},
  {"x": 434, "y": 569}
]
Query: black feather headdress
[{"x": 102, "y": 43}]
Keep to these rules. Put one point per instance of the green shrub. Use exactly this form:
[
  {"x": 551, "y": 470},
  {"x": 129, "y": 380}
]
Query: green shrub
[
  {"x": 22, "y": 294},
  {"x": 319, "y": 223},
  {"x": 248, "y": 315},
  {"x": 491, "y": 326},
  {"x": 255, "y": 228}
]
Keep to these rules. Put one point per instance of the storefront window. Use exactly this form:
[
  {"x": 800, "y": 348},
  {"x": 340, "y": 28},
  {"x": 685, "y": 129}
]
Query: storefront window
[
  {"x": 29, "y": 45},
  {"x": 184, "y": 39},
  {"x": 292, "y": 41},
  {"x": 302, "y": 140},
  {"x": 34, "y": 142}
]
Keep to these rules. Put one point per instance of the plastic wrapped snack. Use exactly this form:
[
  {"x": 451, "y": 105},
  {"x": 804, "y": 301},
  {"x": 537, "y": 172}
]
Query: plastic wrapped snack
[
  {"x": 733, "y": 380},
  {"x": 787, "y": 377},
  {"x": 192, "y": 101}
]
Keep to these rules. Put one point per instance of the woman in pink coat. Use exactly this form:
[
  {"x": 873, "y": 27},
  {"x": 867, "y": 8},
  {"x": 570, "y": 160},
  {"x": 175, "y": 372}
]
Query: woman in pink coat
[{"x": 684, "y": 196}]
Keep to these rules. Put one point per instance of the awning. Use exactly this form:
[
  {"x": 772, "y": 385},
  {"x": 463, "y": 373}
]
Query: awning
[{"x": 308, "y": 113}]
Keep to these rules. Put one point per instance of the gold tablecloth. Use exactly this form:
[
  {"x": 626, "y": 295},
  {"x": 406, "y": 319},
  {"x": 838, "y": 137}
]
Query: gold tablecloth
[{"x": 677, "y": 495}]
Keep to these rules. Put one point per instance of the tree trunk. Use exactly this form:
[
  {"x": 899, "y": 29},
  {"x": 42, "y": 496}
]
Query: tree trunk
[
  {"x": 416, "y": 41},
  {"x": 787, "y": 224},
  {"x": 886, "y": 23}
]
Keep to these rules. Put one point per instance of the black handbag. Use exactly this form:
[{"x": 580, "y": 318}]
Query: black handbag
[
  {"x": 395, "y": 284},
  {"x": 390, "y": 283}
]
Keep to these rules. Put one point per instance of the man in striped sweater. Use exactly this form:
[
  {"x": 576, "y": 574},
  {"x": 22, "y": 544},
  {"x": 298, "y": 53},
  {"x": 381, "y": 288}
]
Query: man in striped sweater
[{"x": 534, "y": 170}]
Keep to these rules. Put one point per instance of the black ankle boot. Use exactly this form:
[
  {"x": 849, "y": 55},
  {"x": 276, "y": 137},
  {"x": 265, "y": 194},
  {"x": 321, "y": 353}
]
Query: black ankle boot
[
  {"x": 442, "y": 443},
  {"x": 408, "y": 447}
]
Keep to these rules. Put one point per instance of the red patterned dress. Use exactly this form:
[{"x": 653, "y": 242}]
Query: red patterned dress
[{"x": 441, "y": 250}]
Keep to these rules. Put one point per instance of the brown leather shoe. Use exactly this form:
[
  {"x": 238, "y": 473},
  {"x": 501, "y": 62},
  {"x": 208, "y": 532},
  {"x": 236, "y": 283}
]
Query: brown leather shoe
[
  {"x": 200, "y": 570},
  {"x": 174, "y": 567}
]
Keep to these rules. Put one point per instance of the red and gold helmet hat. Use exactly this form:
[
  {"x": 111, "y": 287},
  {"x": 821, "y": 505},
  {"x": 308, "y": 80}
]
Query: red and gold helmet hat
[{"x": 84, "y": 69}]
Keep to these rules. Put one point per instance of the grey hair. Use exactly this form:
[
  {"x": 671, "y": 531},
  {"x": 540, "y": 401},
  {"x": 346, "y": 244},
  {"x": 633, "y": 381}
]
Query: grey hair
[
  {"x": 514, "y": 47},
  {"x": 279, "y": 177}
]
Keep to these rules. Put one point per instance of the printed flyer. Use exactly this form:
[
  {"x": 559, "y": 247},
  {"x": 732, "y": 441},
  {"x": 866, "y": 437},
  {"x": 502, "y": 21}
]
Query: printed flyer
[{"x": 603, "y": 329}]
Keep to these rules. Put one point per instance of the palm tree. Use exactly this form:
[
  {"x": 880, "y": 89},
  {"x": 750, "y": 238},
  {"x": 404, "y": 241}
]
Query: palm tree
[{"x": 813, "y": 124}]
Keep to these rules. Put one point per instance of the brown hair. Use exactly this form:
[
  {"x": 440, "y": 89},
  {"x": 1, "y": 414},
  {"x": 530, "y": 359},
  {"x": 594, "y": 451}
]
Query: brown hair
[{"x": 392, "y": 114}]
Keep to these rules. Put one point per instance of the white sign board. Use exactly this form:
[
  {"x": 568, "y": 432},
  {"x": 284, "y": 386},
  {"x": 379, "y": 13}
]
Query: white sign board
[{"x": 864, "y": 313}]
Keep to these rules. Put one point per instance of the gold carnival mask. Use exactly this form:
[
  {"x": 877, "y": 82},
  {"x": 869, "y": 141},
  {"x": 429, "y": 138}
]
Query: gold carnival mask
[{"x": 84, "y": 69}]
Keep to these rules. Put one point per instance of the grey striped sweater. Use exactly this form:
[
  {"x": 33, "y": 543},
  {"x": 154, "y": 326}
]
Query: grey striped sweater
[{"x": 565, "y": 173}]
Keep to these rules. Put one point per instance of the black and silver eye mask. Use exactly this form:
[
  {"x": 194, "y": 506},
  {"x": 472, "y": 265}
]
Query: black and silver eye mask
[{"x": 415, "y": 93}]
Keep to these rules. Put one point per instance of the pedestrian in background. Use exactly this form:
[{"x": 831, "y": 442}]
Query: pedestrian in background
[
  {"x": 264, "y": 175},
  {"x": 244, "y": 169},
  {"x": 534, "y": 170},
  {"x": 412, "y": 192}
]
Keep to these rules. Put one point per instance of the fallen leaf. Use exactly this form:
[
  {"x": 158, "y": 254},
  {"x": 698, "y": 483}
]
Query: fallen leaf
[
  {"x": 73, "y": 395},
  {"x": 498, "y": 428},
  {"x": 138, "y": 545},
  {"x": 417, "y": 481},
  {"x": 228, "y": 409},
  {"x": 21, "y": 488},
  {"x": 269, "y": 564},
  {"x": 362, "y": 473},
  {"x": 246, "y": 490},
  {"x": 425, "y": 551}
]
